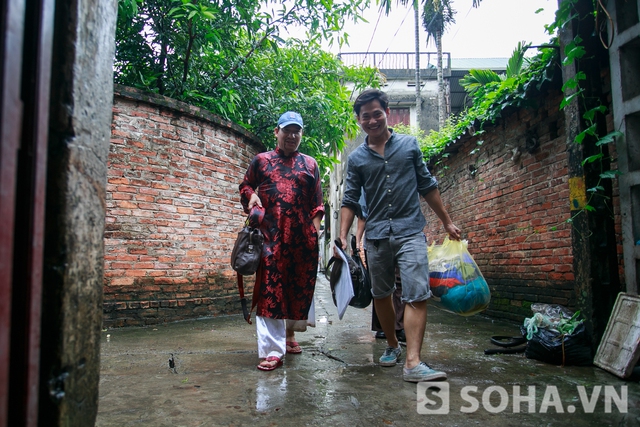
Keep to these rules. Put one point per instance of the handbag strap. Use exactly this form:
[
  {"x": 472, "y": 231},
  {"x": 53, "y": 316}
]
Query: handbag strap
[
  {"x": 245, "y": 313},
  {"x": 331, "y": 261},
  {"x": 255, "y": 297},
  {"x": 240, "y": 285},
  {"x": 256, "y": 288}
]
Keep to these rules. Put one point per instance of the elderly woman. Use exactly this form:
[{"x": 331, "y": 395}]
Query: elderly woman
[{"x": 286, "y": 183}]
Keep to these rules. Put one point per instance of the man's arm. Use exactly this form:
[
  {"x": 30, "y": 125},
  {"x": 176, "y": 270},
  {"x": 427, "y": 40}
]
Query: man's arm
[
  {"x": 435, "y": 203},
  {"x": 360, "y": 231},
  {"x": 346, "y": 219}
]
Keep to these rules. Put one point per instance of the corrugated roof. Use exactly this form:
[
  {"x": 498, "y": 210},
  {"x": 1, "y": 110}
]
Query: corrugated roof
[
  {"x": 460, "y": 67},
  {"x": 479, "y": 63}
]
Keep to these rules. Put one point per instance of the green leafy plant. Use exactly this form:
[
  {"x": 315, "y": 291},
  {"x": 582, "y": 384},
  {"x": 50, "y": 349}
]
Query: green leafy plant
[
  {"x": 516, "y": 64},
  {"x": 593, "y": 108},
  {"x": 567, "y": 326},
  {"x": 229, "y": 57},
  {"x": 491, "y": 93}
]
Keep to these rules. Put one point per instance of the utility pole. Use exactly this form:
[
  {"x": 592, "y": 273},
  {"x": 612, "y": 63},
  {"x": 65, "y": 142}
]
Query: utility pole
[{"x": 416, "y": 15}]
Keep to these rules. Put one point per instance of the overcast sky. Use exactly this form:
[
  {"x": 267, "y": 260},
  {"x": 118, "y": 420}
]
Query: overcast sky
[{"x": 490, "y": 31}]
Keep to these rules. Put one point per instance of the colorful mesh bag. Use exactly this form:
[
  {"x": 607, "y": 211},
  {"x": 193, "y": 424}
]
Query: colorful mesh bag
[{"x": 457, "y": 285}]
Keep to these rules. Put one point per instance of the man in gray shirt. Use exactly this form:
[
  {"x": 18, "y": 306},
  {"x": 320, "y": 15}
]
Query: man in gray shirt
[{"x": 390, "y": 169}]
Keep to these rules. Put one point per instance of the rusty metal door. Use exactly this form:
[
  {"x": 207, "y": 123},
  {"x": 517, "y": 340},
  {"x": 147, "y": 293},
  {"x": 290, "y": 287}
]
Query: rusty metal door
[
  {"x": 25, "y": 48},
  {"x": 10, "y": 112}
]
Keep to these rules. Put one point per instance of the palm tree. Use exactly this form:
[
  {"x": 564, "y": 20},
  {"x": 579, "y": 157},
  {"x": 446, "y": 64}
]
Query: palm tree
[
  {"x": 437, "y": 15},
  {"x": 515, "y": 66}
]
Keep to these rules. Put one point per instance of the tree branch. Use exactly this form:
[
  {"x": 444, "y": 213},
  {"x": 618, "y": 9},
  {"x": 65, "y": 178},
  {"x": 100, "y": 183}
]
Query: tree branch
[
  {"x": 187, "y": 55},
  {"x": 242, "y": 60}
]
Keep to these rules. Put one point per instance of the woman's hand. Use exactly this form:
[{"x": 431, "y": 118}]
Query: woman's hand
[{"x": 254, "y": 200}]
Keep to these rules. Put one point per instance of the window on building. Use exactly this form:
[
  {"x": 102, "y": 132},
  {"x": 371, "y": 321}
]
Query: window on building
[{"x": 398, "y": 115}]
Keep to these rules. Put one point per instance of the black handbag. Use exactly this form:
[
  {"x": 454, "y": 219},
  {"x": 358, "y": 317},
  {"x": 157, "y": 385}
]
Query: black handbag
[
  {"x": 247, "y": 251},
  {"x": 359, "y": 276},
  {"x": 247, "y": 254}
]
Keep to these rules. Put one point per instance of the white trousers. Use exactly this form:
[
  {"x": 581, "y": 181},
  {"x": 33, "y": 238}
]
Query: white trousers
[{"x": 272, "y": 337}]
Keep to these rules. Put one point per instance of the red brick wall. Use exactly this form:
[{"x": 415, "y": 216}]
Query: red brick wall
[
  {"x": 513, "y": 209},
  {"x": 173, "y": 210}
]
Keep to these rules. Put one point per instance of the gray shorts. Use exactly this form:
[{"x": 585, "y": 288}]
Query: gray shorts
[{"x": 410, "y": 255}]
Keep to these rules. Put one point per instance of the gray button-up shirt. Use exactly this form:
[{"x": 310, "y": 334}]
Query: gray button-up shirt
[{"x": 392, "y": 185}]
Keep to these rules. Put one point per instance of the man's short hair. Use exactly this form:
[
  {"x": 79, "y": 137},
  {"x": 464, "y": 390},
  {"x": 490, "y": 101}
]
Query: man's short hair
[{"x": 368, "y": 96}]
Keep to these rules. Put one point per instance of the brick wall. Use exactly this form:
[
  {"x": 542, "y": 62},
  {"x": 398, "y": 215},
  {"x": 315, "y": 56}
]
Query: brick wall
[
  {"x": 173, "y": 210},
  {"x": 513, "y": 206}
]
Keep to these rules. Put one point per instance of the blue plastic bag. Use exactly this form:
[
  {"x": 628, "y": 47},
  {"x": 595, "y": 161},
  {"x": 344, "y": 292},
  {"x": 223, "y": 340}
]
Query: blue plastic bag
[{"x": 457, "y": 285}]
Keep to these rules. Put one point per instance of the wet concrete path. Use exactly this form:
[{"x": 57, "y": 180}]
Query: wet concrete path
[{"x": 335, "y": 381}]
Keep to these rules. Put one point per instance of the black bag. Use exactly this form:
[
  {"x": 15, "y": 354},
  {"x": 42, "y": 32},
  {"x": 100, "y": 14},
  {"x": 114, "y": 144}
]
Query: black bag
[
  {"x": 552, "y": 347},
  {"x": 247, "y": 251},
  {"x": 361, "y": 280},
  {"x": 359, "y": 277}
]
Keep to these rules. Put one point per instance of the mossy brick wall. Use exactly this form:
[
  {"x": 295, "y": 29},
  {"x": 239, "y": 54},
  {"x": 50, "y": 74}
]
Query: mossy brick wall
[
  {"x": 173, "y": 210},
  {"x": 513, "y": 206}
]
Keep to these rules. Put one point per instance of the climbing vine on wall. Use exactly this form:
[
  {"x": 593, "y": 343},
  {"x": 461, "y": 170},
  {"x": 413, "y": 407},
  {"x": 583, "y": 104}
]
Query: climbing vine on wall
[
  {"x": 491, "y": 97},
  {"x": 593, "y": 108}
]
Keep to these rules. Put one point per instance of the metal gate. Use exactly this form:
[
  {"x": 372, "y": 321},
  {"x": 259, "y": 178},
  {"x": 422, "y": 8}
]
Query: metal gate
[{"x": 624, "y": 59}]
